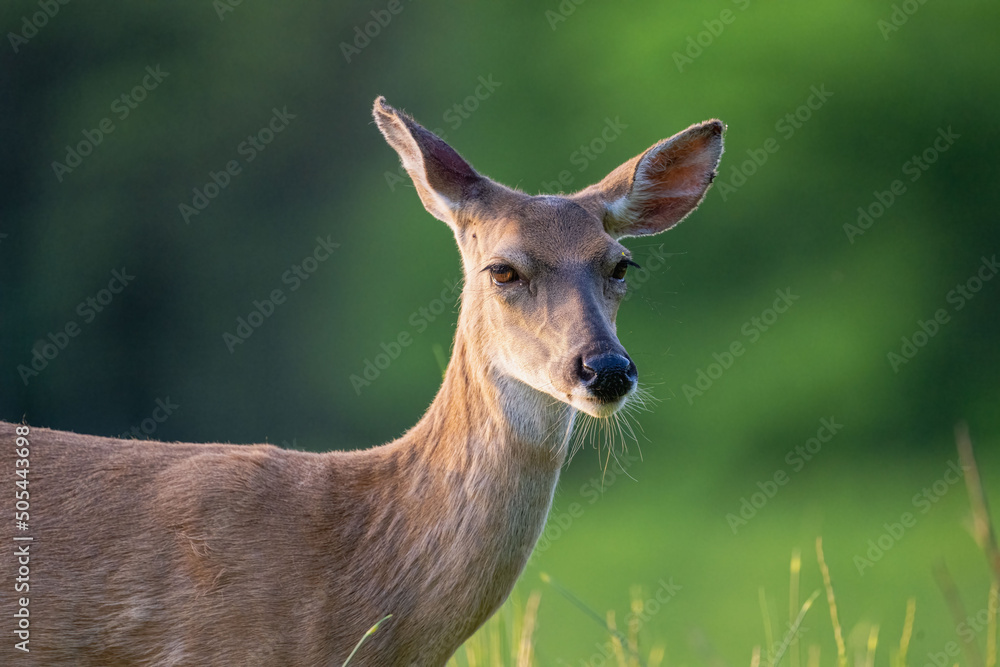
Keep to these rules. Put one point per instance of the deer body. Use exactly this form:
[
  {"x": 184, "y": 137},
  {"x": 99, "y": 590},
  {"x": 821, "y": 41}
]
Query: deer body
[{"x": 210, "y": 554}]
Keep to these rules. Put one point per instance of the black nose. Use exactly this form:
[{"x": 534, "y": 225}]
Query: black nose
[{"x": 607, "y": 376}]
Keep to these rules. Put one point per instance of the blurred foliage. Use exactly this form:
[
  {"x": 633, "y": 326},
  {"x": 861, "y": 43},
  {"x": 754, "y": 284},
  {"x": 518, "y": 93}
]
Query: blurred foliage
[{"x": 557, "y": 72}]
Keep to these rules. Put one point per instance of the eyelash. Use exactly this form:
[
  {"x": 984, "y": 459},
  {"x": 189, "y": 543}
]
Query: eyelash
[{"x": 623, "y": 265}]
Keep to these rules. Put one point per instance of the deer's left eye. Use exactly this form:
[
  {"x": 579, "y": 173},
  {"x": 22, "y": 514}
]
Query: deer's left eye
[
  {"x": 622, "y": 268},
  {"x": 503, "y": 274}
]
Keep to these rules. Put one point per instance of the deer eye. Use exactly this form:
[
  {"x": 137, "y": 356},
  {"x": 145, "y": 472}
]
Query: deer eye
[
  {"x": 621, "y": 269},
  {"x": 503, "y": 274}
]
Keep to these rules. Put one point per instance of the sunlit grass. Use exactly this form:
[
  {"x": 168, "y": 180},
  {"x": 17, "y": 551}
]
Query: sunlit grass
[
  {"x": 510, "y": 637},
  {"x": 506, "y": 640}
]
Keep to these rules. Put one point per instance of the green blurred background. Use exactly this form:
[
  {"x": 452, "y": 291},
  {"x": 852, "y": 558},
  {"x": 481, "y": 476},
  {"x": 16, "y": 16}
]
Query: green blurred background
[{"x": 555, "y": 74}]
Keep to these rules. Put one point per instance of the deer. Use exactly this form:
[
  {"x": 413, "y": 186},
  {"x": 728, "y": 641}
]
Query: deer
[{"x": 155, "y": 553}]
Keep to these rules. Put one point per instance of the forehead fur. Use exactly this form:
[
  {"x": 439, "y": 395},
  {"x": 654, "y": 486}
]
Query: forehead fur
[{"x": 546, "y": 226}]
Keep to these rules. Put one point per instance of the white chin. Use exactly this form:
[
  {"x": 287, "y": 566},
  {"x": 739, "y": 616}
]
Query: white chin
[{"x": 596, "y": 408}]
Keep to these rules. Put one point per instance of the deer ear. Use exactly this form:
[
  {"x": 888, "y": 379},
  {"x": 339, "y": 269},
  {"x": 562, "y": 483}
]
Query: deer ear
[
  {"x": 654, "y": 191},
  {"x": 442, "y": 178}
]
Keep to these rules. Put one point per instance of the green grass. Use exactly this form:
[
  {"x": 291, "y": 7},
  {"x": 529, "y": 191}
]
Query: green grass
[
  {"x": 508, "y": 639},
  {"x": 908, "y": 609}
]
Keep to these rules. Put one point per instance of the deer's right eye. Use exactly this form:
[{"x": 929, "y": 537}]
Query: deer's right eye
[{"x": 503, "y": 274}]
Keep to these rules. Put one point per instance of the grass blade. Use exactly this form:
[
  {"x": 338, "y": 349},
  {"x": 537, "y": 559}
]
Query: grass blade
[
  {"x": 982, "y": 525},
  {"x": 872, "y": 645},
  {"x": 904, "y": 640},
  {"x": 768, "y": 632},
  {"x": 951, "y": 595},
  {"x": 793, "y": 630},
  {"x": 838, "y": 634},
  {"x": 582, "y": 606},
  {"x": 795, "y": 569},
  {"x": 525, "y": 652},
  {"x": 372, "y": 630}
]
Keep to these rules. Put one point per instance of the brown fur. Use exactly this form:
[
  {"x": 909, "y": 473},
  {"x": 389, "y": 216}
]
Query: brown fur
[{"x": 209, "y": 554}]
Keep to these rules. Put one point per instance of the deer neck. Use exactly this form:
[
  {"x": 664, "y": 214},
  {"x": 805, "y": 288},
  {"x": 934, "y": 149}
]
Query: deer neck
[
  {"x": 484, "y": 423},
  {"x": 481, "y": 468}
]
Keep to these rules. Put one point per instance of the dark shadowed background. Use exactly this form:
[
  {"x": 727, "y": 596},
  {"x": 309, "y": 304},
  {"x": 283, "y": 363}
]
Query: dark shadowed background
[{"x": 165, "y": 168}]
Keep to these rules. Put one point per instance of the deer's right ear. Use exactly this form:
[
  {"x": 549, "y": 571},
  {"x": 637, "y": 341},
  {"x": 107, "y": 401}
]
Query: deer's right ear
[
  {"x": 655, "y": 190},
  {"x": 442, "y": 178}
]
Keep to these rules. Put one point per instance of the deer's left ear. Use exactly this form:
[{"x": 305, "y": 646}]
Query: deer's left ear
[
  {"x": 443, "y": 179},
  {"x": 654, "y": 191}
]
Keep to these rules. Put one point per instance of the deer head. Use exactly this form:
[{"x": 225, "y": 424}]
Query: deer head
[{"x": 544, "y": 275}]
